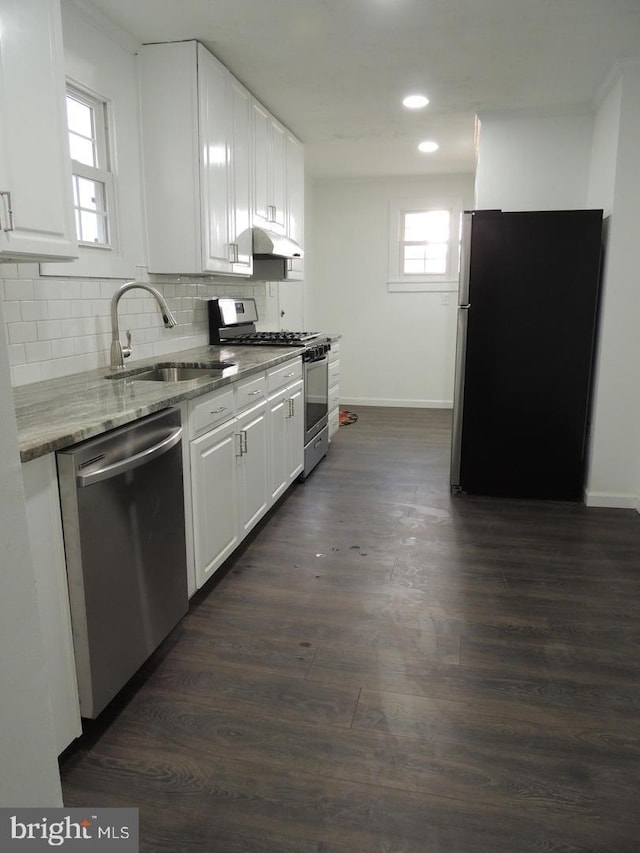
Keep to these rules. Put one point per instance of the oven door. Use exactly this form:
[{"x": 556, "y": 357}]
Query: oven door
[{"x": 316, "y": 393}]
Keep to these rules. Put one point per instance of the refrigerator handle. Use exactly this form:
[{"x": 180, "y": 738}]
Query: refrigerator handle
[
  {"x": 465, "y": 259},
  {"x": 458, "y": 398}
]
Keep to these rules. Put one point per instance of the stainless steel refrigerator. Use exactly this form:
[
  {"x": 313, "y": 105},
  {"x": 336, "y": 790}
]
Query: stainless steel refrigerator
[{"x": 527, "y": 319}]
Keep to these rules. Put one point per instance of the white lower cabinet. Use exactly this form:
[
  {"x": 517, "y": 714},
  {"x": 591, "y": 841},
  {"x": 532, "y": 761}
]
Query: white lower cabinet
[
  {"x": 47, "y": 550},
  {"x": 214, "y": 498},
  {"x": 251, "y": 467},
  {"x": 286, "y": 439},
  {"x": 246, "y": 447}
]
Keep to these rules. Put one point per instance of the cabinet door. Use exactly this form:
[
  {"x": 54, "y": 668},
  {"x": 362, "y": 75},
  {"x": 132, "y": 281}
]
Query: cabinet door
[
  {"x": 269, "y": 170},
  {"x": 295, "y": 203},
  {"x": 295, "y": 430},
  {"x": 214, "y": 488},
  {"x": 278, "y": 440},
  {"x": 252, "y": 467},
  {"x": 261, "y": 122},
  {"x": 278, "y": 168},
  {"x": 214, "y": 122},
  {"x": 36, "y": 211},
  {"x": 240, "y": 165}
]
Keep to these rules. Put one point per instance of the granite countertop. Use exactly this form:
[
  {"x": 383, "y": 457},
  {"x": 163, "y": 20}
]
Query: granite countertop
[{"x": 59, "y": 412}]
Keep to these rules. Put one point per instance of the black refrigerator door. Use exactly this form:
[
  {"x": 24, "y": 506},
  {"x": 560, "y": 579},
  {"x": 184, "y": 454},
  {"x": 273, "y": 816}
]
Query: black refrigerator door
[{"x": 533, "y": 292}]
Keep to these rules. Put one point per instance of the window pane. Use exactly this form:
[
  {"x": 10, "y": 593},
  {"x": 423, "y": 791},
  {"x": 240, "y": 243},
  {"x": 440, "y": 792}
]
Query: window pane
[
  {"x": 414, "y": 267},
  {"x": 79, "y": 117},
  {"x": 436, "y": 266},
  {"x": 415, "y": 226},
  {"x": 426, "y": 225},
  {"x": 438, "y": 225},
  {"x": 93, "y": 227},
  {"x": 82, "y": 150},
  {"x": 91, "y": 194},
  {"x": 414, "y": 252},
  {"x": 436, "y": 251}
]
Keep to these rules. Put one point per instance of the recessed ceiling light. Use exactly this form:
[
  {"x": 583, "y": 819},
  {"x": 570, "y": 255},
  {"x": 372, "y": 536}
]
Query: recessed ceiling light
[
  {"x": 415, "y": 102},
  {"x": 428, "y": 147}
]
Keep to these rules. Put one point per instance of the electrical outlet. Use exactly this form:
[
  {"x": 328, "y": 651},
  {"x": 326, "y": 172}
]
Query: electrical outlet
[{"x": 444, "y": 299}]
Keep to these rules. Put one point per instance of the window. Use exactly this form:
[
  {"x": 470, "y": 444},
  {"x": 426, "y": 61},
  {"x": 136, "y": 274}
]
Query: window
[
  {"x": 424, "y": 244},
  {"x": 91, "y": 175}
]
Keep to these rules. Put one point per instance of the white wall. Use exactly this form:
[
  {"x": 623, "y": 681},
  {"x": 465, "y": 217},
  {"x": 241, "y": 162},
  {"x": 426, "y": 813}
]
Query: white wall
[
  {"x": 533, "y": 162},
  {"x": 398, "y": 349},
  {"x": 614, "y": 474},
  {"x": 28, "y": 760}
]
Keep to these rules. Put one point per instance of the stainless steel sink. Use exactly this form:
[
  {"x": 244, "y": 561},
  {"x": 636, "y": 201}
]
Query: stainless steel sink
[{"x": 174, "y": 372}]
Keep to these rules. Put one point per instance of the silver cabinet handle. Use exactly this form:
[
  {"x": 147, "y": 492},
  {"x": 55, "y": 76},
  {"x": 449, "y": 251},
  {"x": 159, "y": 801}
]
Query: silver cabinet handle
[
  {"x": 131, "y": 461},
  {"x": 291, "y": 405},
  {"x": 234, "y": 251},
  {"x": 242, "y": 443},
  {"x": 253, "y": 393},
  {"x": 218, "y": 410},
  {"x": 6, "y": 199}
]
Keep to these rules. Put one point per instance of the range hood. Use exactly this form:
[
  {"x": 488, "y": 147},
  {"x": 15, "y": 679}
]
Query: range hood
[{"x": 269, "y": 244}]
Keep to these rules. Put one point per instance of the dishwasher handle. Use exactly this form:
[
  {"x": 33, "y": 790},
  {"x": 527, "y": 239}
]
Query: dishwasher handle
[{"x": 130, "y": 462}]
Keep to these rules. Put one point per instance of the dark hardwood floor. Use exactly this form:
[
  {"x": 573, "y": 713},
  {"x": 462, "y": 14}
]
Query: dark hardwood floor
[{"x": 388, "y": 668}]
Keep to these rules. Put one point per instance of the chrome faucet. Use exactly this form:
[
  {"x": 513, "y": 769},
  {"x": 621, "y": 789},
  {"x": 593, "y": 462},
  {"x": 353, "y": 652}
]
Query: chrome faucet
[{"x": 118, "y": 352}]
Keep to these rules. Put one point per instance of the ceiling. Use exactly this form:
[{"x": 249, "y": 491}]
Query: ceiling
[{"x": 335, "y": 71}]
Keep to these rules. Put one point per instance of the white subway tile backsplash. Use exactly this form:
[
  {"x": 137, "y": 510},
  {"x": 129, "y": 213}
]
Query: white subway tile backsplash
[
  {"x": 22, "y": 374},
  {"x": 40, "y": 351},
  {"x": 58, "y": 309},
  {"x": 49, "y": 329},
  {"x": 17, "y": 289},
  {"x": 22, "y": 332},
  {"x": 17, "y": 354},
  {"x": 60, "y": 326},
  {"x": 62, "y": 347},
  {"x": 31, "y": 271},
  {"x": 11, "y": 312},
  {"x": 33, "y": 310}
]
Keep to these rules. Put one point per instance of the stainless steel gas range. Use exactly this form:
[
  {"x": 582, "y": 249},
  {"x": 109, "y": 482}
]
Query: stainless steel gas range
[{"x": 232, "y": 321}]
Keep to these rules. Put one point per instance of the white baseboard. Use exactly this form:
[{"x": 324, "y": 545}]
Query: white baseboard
[
  {"x": 612, "y": 500},
  {"x": 401, "y": 404}
]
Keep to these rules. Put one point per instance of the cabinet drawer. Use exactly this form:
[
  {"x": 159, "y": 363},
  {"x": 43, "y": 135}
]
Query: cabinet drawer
[
  {"x": 334, "y": 372},
  {"x": 334, "y": 397},
  {"x": 210, "y": 410},
  {"x": 251, "y": 391},
  {"x": 334, "y": 352},
  {"x": 284, "y": 375}
]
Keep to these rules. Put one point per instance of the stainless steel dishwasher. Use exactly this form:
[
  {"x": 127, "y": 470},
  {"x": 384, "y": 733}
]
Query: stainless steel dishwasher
[{"x": 123, "y": 519}]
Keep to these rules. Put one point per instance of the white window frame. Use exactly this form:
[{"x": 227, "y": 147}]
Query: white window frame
[
  {"x": 102, "y": 174},
  {"x": 398, "y": 280}
]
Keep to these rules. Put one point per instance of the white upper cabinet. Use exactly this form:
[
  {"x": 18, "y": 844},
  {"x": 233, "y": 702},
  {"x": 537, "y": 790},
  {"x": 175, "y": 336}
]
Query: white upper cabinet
[
  {"x": 216, "y": 163},
  {"x": 295, "y": 208},
  {"x": 270, "y": 171},
  {"x": 36, "y": 219},
  {"x": 196, "y": 147},
  {"x": 214, "y": 121},
  {"x": 240, "y": 152}
]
